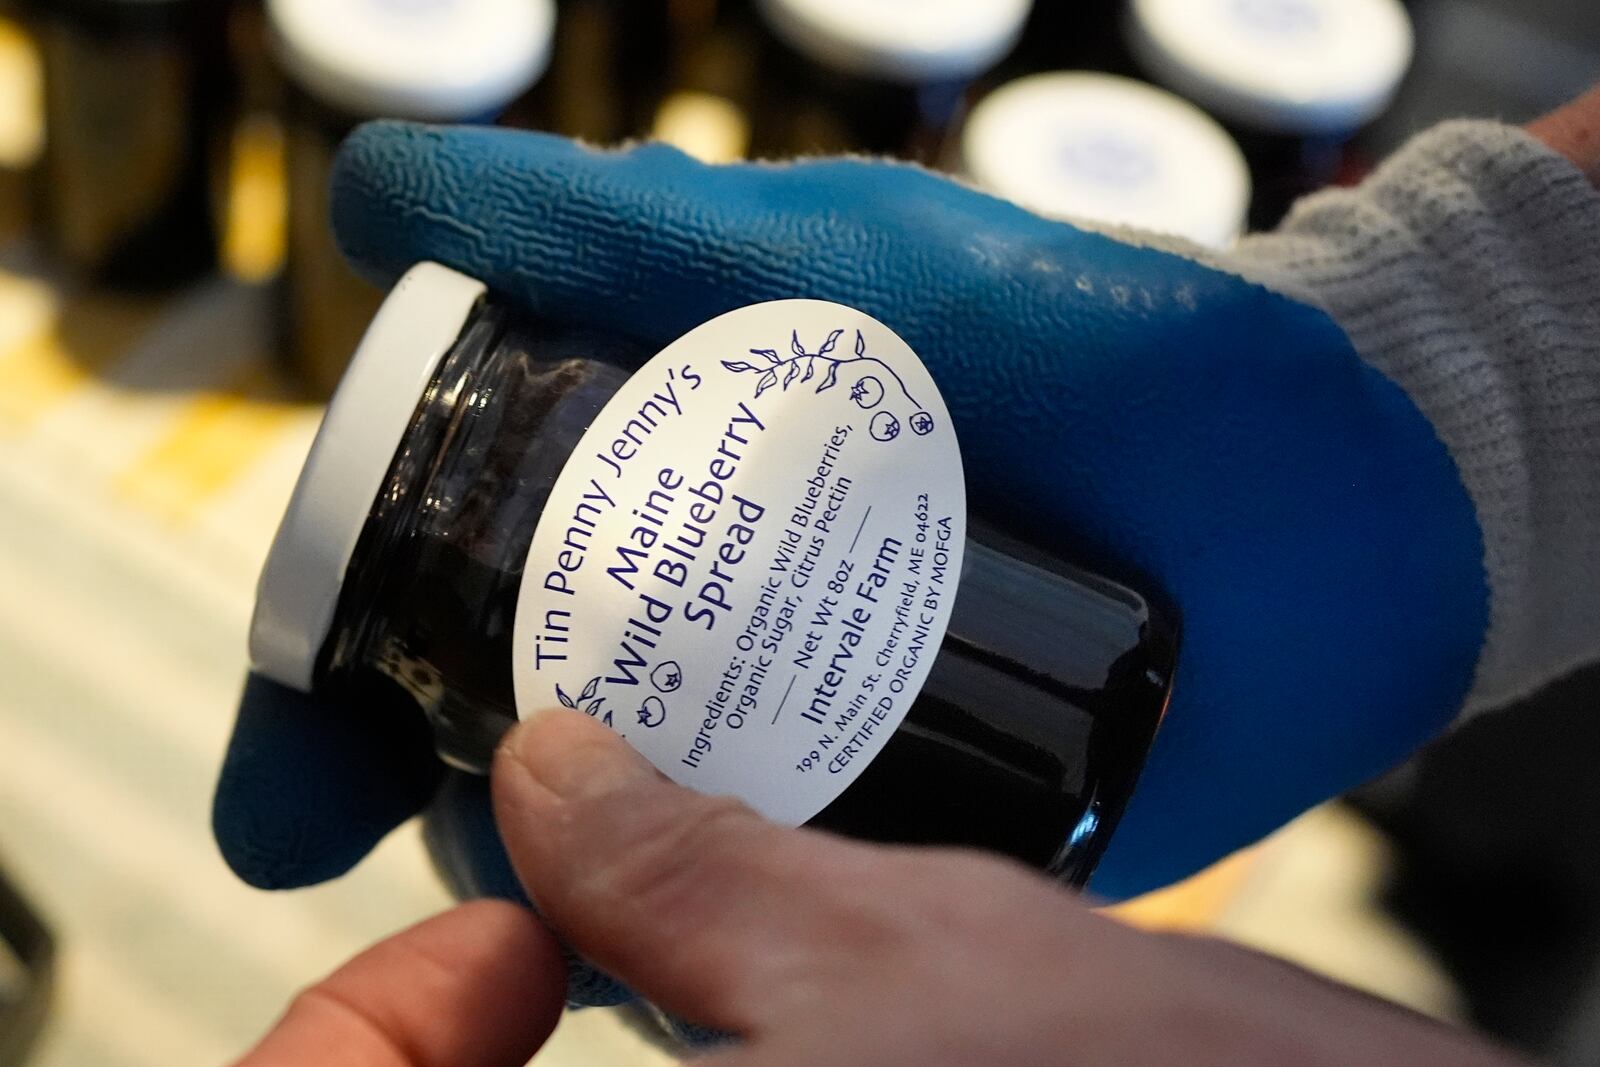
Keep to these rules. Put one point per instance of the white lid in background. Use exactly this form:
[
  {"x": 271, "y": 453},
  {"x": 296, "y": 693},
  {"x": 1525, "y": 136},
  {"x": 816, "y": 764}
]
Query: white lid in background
[
  {"x": 299, "y": 589},
  {"x": 1296, "y": 66},
  {"x": 901, "y": 40},
  {"x": 1110, "y": 150},
  {"x": 438, "y": 60}
]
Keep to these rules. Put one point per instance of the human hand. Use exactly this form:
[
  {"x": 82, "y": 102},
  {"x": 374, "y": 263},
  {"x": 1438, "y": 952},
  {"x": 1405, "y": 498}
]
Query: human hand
[
  {"x": 483, "y": 984},
  {"x": 1574, "y": 131},
  {"x": 814, "y": 949},
  {"x": 1153, "y": 412}
]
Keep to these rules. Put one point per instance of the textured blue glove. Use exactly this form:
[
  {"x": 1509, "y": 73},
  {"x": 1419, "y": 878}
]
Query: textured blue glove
[{"x": 1153, "y": 412}]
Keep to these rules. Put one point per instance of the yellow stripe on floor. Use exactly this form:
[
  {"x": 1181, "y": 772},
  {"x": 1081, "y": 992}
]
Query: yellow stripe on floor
[
  {"x": 1196, "y": 903},
  {"x": 39, "y": 374},
  {"x": 36, "y": 368},
  {"x": 212, "y": 443}
]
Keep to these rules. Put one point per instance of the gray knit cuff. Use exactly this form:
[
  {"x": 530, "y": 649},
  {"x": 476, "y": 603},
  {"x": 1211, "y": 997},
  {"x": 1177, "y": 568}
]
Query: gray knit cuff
[{"x": 1467, "y": 269}]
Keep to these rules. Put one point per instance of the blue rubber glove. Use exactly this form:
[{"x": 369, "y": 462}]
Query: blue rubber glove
[{"x": 1151, "y": 412}]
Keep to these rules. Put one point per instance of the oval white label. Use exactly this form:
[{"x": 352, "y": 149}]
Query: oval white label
[{"x": 747, "y": 566}]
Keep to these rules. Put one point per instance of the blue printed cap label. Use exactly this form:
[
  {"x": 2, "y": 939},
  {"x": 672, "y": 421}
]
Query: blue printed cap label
[{"x": 747, "y": 567}]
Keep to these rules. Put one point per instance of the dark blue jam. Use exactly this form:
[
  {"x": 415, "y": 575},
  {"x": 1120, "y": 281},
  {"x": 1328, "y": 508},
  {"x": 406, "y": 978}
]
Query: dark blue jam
[{"x": 1027, "y": 738}]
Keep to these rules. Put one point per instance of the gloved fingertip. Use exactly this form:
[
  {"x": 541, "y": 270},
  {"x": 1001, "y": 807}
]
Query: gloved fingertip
[
  {"x": 307, "y": 789},
  {"x": 401, "y": 192},
  {"x": 373, "y": 167},
  {"x": 280, "y": 864},
  {"x": 549, "y": 222}
]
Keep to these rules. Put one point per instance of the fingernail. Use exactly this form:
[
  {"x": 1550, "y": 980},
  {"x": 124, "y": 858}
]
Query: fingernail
[{"x": 573, "y": 756}]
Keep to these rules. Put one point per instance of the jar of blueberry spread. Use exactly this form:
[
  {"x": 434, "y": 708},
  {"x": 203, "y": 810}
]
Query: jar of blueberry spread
[{"x": 749, "y": 554}]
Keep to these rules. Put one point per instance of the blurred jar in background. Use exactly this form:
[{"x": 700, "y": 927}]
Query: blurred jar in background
[
  {"x": 1072, "y": 35},
  {"x": 135, "y": 94},
  {"x": 347, "y": 61},
  {"x": 616, "y": 63},
  {"x": 1293, "y": 79},
  {"x": 878, "y": 76},
  {"x": 256, "y": 77},
  {"x": 581, "y": 93},
  {"x": 254, "y": 212},
  {"x": 713, "y": 86},
  {"x": 1107, "y": 149},
  {"x": 21, "y": 122}
]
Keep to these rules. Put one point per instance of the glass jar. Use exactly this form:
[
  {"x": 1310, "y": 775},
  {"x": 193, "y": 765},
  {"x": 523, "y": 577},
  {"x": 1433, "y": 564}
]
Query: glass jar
[
  {"x": 348, "y": 61},
  {"x": 397, "y": 574},
  {"x": 135, "y": 96},
  {"x": 1106, "y": 149},
  {"x": 1293, "y": 80},
  {"x": 873, "y": 76}
]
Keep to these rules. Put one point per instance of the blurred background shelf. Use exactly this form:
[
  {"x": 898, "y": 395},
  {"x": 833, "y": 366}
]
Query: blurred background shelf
[{"x": 148, "y": 443}]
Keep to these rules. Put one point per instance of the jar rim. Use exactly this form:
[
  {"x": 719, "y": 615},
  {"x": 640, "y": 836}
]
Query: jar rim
[{"x": 416, "y": 326}]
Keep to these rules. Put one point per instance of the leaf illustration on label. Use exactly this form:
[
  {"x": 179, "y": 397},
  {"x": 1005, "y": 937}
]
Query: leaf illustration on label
[
  {"x": 594, "y": 707},
  {"x": 589, "y": 690},
  {"x": 738, "y": 366},
  {"x": 830, "y": 379},
  {"x": 566, "y": 701},
  {"x": 830, "y": 343},
  {"x": 794, "y": 343},
  {"x": 861, "y": 344},
  {"x": 770, "y": 353},
  {"x": 768, "y": 380},
  {"x": 811, "y": 369},
  {"x": 791, "y": 374}
]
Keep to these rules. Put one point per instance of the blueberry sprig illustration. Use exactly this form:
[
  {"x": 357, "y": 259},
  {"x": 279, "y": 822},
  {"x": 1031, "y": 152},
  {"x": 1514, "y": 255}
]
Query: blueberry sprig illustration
[
  {"x": 587, "y": 701},
  {"x": 803, "y": 366}
]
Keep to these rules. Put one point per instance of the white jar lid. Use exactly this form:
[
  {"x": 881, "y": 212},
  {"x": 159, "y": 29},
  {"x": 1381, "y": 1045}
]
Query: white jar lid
[
  {"x": 1295, "y": 66},
  {"x": 436, "y": 60},
  {"x": 417, "y": 324},
  {"x": 900, "y": 40},
  {"x": 1112, "y": 150}
]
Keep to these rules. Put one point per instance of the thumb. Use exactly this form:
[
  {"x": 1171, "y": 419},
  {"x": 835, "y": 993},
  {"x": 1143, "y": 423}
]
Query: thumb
[
  {"x": 480, "y": 984},
  {"x": 697, "y": 902}
]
